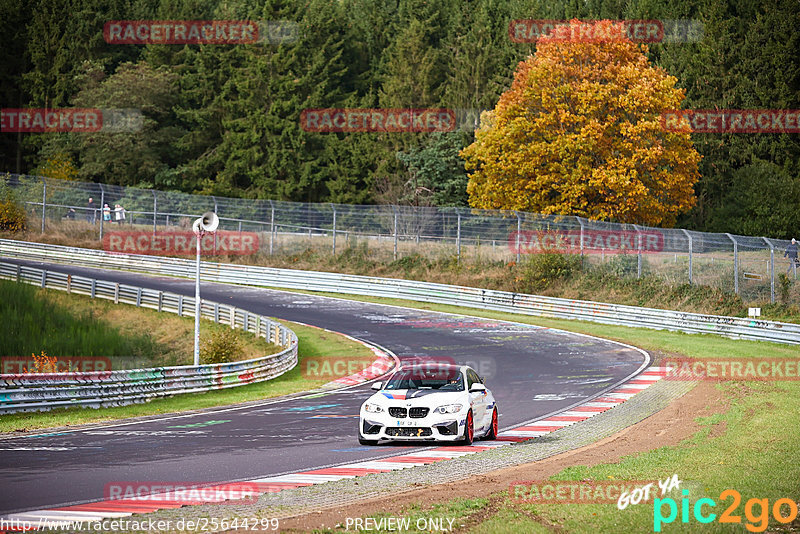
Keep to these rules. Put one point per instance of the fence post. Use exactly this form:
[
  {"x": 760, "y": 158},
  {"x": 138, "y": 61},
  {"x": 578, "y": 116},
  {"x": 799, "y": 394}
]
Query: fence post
[
  {"x": 638, "y": 251},
  {"x": 102, "y": 205},
  {"x": 519, "y": 229},
  {"x": 581, "y": 223},
  {"x": 735, "y": 264},
  {"x": 215, "y": 212},
  {"x": 271, "y": 226},
  {"x": 334, "y": 229},
  {"x": 155, "y": 212},
  {"x": 690, "y": 255},
  {"x": 395, "y": 232},
  {"x": 458, "y": 235},
  {"x": 44, "y": 200},
  {"x": 771, "y": 270}
]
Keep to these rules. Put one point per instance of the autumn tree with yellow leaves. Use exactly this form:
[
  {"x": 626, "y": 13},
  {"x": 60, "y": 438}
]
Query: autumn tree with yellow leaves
[{"x": 578, "y": 133}]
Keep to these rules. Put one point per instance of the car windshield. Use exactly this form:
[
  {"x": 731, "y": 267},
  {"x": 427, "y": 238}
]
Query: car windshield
[{"x": 449, "y": 379}]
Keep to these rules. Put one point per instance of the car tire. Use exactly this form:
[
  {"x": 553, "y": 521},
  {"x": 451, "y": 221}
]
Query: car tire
[
  {"x": 492, "y": 432},
  {"x": 363, "y": 441},
  {"x": 469, "y": 430}
]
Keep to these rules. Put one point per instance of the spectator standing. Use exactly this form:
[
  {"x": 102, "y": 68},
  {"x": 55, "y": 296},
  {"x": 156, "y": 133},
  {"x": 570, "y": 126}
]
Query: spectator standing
[
  {"x": 119, "y": 214},
  {"x": 106, "y": 213},
  {"x": 91, "y": 214},
  {"x": 791, "y": 252}
]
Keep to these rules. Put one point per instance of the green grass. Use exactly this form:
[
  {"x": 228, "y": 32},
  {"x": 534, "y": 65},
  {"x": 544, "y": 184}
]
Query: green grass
[{"x": 33, "y": 324}]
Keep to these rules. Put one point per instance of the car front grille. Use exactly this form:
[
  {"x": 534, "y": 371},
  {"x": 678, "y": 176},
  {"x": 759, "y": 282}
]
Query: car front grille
[
  {"x": 418, "y": 413},
  {"x": 408, "y": 432},
  {"x": 397, "y": 412}
]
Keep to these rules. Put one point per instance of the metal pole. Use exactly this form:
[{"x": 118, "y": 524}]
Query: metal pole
[
  {"x": 771, "y": 270},
  {"x": 271, "y": 226},
  {"x": 334, "y": 229},
  {"x": 519, "y": 229},
  {"x": 102, "y": 206},
  {"x": 735, "y": 264},
  {"x": 215, "y": 233},
  {"x": 581, "y": 223},
  {"x": 638, "y": 251},
  {"x": 44, "y": 200},
  {"x": 395, "y": 232},
  {"x": 458, "y": 236},
  {"x": 155, "y": 212},
  {"x": 690, "y": 255},
  {"x": 197, "y": 304}
]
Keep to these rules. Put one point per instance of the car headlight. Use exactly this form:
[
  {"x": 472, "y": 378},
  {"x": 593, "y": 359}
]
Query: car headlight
[
  {"x": 373, "y": 408},
  {"x": 448, "y": 408}
]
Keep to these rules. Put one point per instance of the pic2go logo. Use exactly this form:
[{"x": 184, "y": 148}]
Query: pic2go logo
[{"x": 758, "y": 522}]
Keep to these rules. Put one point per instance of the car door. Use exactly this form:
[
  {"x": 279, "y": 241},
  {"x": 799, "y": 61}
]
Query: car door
[{"x": 478, "y": 399}]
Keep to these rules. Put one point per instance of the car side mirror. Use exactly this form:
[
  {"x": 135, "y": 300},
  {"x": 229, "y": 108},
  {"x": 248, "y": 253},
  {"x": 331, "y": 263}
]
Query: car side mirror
[
  {"x": 476, "y": 387},
  {"x": 376, "y": 386}
]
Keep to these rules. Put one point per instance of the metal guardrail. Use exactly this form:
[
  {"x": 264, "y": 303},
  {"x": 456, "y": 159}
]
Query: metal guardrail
[
  {"x": 486, "y": 299},
  {"x": 45, "y": 391}
]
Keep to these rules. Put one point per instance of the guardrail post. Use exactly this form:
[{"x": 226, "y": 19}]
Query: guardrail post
[
  {"x": 19, "y": 274},
  {"x": 271, "y": 226},
  {"x": 233, "y": 317},
  {"x": 180, "y": 305},
  {"x": 216, "y": 312},
  {"x": 160, "y": 300},
  {"x": 334, "y": 229},
  {"x": 691, "y": 278},
  {"x": 138, "y": 297},
  {"x": 245, "y": 320},
  {"x": 102, "y": 205},
  {"x": 735, "y": 264},
  {"x": 44, "y": 279},
  {"x": 458, "y": 235},
  {"x": 116, "y": 293},
  {"x": 519, "y": 229},
  {"x": 581, "y": 223},
  {"x": 69, "y": 284},
  {"x": 771, "y": 270},
  {"x": 94, "y": 287},
  {"x": 395, "y": 231},
  {"x": 44, "y": 200}
]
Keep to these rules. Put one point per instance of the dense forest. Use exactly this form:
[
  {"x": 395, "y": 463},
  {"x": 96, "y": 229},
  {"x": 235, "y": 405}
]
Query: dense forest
[{"x": 225, "y": 119}]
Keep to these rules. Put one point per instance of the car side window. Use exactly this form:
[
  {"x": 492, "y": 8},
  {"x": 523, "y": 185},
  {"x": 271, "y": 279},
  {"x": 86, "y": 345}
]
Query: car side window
[{"x": 472, "y": 378}]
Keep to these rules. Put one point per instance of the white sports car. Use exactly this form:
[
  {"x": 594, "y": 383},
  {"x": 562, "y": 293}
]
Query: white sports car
[{"x": 437, "y": 403}]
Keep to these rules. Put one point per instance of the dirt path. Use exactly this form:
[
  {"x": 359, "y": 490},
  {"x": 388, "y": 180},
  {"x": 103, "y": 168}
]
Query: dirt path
[{"x": 667, "y": 427}]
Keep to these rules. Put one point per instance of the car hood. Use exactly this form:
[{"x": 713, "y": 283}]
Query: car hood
[{"x": 417, "y": 397}]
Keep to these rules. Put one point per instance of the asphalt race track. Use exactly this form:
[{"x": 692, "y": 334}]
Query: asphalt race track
[{"x": 532, "y": 371}]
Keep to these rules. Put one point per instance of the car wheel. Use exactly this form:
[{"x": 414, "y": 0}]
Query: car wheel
[
  {"x": 363, "y": 441},
  {"x": 492, "y": 432},
  {"x": 469, "y": 430}
]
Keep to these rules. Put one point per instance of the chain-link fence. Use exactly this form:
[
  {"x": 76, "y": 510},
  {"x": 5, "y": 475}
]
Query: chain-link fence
[{"x": 749, "y": 266}]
